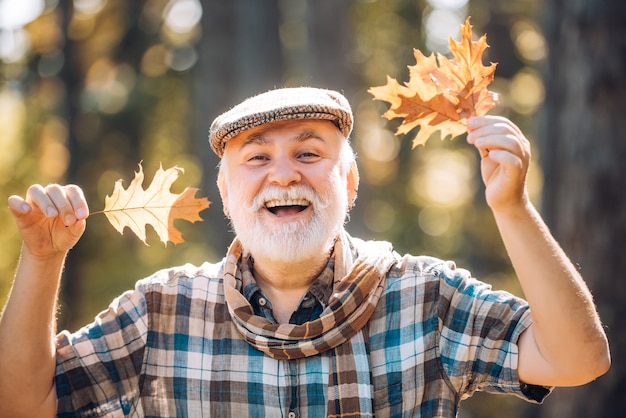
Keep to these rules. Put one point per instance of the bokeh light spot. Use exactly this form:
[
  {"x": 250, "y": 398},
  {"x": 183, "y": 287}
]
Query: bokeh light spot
[
  {"x": 434, "y": 220},
  {"x": 379, "y": 215},
  {"x": 527, "y": 91},
  {"x": 182, "y": 16}
]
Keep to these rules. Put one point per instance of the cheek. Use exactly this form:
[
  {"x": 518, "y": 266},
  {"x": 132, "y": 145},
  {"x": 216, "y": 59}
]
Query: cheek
[
  {"x": 334, "y": 186},
  {"x": 241, "y": 185},
  {"x": 242, "y": 198},
  {"x": 237, "y": 195}
]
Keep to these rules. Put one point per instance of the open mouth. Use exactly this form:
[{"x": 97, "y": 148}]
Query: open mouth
[{"x": 287, "y": 207}]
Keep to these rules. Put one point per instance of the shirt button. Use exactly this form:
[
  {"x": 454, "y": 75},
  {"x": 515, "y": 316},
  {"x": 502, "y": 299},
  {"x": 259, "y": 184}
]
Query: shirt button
[
  {"x": 262, "y": 301},
  {"x": 291, "y": 414}
]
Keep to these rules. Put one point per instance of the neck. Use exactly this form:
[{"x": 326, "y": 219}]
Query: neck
[{"x": 286, "y": 283}]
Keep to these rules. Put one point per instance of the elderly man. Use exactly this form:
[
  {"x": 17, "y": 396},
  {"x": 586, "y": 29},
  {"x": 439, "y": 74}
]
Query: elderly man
[{"x": 299, "y": 318}]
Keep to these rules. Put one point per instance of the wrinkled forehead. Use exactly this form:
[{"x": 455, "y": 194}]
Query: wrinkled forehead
[
  {"x": 291, "y": 131},
  {"x": 301, "y": 103}
]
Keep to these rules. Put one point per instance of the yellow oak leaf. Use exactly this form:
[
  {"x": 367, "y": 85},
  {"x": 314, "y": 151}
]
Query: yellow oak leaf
[
  {"x": 156, "y": 206},
  {"x": 441, "y": 93}
]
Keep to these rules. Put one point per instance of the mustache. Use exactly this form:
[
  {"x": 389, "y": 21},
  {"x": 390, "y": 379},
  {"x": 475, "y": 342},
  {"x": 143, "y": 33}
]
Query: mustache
[{"x": 296, "y": 192}]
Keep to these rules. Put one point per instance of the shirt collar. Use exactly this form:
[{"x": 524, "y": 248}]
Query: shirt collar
[{"x": 321, "y": 289}]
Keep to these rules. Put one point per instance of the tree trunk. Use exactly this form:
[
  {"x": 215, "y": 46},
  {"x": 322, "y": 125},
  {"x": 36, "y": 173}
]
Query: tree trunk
[
  {"x": 238, "y": 56},
  {"x": 583, "y": 149}
]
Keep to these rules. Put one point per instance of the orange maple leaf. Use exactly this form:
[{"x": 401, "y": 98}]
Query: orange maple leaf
[
  {"x": 441, "y": 93},
  {"x": 157, "y": 206}
]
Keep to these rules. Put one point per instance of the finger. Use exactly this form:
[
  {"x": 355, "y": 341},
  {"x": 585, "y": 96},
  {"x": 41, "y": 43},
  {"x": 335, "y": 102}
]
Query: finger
[
  {"x": 513, "y": 166},
  {"x": 497, "y": 129},
  {"x": 77, "y": 200},
  {"x": 37, "y": 197},
  {"x": 505, "y": 158},
  {"x": 490, "y": 143},
  {"x": 19, "y": 206},
  {"x": 478, "y": 122},
  {"x": 510, "y": 143},
  {"x": 480, "y": 127},
  {"x": 59, "y": 198},
  {"x": 483, "y": 151}
]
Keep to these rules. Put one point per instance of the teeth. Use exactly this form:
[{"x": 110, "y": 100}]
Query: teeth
[{"x": 288, "y": 202}]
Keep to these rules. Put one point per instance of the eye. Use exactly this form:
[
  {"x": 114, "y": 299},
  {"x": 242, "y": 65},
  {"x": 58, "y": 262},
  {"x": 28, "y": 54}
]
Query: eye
[
  {"x": 308, "y": 156},
  {"x": 257, "y": 159}
]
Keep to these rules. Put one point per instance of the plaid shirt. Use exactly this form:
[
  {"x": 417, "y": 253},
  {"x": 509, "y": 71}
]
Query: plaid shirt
[{"x": 169, "y": 348}]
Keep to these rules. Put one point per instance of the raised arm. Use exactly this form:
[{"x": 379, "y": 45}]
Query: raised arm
[
  {"x": 50, "y": 220},
  {"x": 565, "y": 345}
]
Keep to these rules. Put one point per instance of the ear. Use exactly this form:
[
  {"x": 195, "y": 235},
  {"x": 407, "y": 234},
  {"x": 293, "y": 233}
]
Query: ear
[
  {"x": 221, "y": 185},
  {"x": 352, "y": 184}
]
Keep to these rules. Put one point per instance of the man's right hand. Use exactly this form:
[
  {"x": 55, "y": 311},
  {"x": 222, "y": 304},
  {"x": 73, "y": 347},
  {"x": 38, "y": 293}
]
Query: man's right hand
[{"x": 50, "y": 219}]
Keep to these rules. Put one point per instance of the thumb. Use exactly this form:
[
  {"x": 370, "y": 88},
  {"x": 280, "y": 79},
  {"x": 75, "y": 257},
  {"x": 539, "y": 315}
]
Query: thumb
[
  {"x": 19, "y": 206},
  {"x": 22, "y": 211}
]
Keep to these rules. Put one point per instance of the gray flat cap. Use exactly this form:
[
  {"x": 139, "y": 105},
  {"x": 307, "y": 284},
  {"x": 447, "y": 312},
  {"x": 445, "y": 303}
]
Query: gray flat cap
[{"x": 281, "y": 104}]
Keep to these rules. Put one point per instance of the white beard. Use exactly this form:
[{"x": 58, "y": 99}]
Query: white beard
[{"x": 290, "y": 241}]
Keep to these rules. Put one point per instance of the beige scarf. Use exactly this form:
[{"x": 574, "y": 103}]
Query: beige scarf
[{"x": 339, "y": 327}]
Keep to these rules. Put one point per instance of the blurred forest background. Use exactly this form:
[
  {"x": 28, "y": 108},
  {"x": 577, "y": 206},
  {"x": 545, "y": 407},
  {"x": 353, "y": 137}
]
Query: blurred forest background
[{"x": 89, "y": 88}]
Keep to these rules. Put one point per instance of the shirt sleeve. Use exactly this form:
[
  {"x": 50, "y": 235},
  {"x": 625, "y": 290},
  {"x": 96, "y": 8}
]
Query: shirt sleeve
[
  {"x": 480, "y": 329},
  {"x": 98, "y": 367}
]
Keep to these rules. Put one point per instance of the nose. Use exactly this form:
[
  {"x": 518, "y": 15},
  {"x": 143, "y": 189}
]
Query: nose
[{"x": 284, "y": 172}]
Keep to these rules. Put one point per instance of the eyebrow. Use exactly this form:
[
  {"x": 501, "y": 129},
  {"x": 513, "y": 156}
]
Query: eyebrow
[{"x": 260, "y": 138}]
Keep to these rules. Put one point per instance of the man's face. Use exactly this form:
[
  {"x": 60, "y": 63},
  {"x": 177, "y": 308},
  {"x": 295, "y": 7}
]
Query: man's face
[{"x": 285, "y": 188}]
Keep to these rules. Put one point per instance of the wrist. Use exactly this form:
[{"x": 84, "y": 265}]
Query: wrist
[
  {"x": 54, "y": 257},
  {"x": 512, "y": 206},
  {"x": 524, "y": 209}
]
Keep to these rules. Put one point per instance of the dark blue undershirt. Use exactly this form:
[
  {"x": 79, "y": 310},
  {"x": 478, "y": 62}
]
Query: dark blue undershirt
[{"x": 310, "y": 306}]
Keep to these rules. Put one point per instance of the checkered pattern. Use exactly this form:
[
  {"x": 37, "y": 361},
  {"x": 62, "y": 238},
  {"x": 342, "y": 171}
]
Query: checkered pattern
[
  {"x": 281, "y": 104},
  {"x": 170, "y": 348},
  {"x": 338, "y": 330}
]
